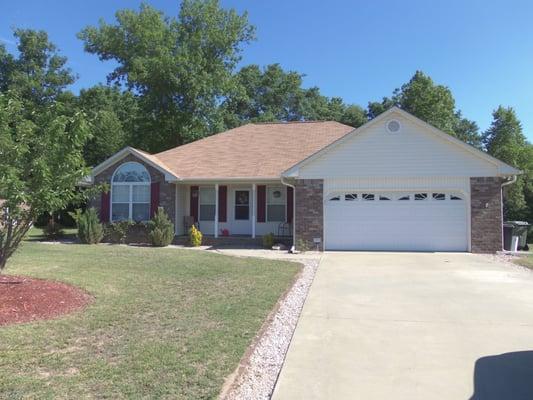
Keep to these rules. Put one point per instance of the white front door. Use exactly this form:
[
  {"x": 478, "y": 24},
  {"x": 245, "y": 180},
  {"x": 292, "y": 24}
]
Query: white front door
[
  {"x": 407, "y": 221},
  {"x": 241, "y": 212}
]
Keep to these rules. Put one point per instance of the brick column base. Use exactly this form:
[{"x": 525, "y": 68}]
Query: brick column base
[
  {"x": 486, "y": 214},
  {"x": 308, "y": 215}
]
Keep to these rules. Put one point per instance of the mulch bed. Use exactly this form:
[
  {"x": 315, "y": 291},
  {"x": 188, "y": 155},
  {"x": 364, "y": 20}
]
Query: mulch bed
[{"x": 24, "y": 299}]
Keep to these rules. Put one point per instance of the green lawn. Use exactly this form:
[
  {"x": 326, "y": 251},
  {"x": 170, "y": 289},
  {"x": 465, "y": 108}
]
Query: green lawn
[
  {"x": 165, "y": 323},
  {"x": 37, "y": 234},
  {"x": 526, "y": 261}
]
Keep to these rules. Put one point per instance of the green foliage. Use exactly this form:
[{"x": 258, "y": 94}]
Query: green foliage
[
  {"x": 431, "y": 103},
  {"x": 117, "y": 232},
  {"x": 161, "y": 229},
  {"x": 505, "y": 141},
  {"x": 53, "y": 230},
  {"x": 90, "y": 230},
  {"x": 179, "y": 67},
  {"x": 112, "y": 116},
  {"x": 302, "y": 245},
  {"x": 268, "y": 240},
  {"x": 195, "y": 236},
  {"x": 41, "y": 138},
  {"x": 272, "y": 94}
]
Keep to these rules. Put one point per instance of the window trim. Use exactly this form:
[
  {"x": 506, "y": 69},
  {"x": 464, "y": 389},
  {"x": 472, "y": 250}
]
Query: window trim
[
  {"x": 130, "y": 195},
  {"x": 207, "y": 204},
  {"x": 284, "y": 204}
]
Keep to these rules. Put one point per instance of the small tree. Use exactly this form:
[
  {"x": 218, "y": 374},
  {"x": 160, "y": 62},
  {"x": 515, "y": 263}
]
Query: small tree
[
  {"x": 41, "y": 163},
  {"x": 161, "y": 229},
  {"x": 90, "y": 230}
]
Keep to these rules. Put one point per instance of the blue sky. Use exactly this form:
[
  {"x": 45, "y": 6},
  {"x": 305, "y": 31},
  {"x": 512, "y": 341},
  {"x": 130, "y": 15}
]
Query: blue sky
[{"x": 360, "y": 51}]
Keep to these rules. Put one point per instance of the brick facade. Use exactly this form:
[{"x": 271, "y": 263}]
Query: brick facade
[
  {"x": 309, "y": 217},
  {"x": 167, "y": 190},
  {"x": 486, "y": 214}
]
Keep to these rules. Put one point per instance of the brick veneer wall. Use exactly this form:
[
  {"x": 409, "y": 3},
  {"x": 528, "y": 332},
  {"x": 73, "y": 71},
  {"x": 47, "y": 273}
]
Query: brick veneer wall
[
  {"x": 166, "y": 190},
  {"x": 308, "y": 215},
  {"x": 486, "y": 214}
]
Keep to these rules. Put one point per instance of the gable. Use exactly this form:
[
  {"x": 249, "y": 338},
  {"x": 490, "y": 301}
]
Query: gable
[{"x": 415, "y": 150}]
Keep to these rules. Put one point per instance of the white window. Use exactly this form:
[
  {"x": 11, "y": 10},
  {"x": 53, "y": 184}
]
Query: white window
[
  {"x": 276, "y": 202},
  {"x": 207, "y": 203},
  {"x": 130, "y": 193}
]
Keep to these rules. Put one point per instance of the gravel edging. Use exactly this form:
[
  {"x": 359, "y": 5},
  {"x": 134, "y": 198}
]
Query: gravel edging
[{"x": 258, "y": 372}]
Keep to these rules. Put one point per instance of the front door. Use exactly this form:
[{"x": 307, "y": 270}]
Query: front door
[{"x": 242, "y": 212}]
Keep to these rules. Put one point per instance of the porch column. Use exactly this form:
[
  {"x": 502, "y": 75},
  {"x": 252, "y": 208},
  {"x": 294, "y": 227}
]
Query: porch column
[
  {"x": 216, "y": 210},
  {"x": 254, "y": 201}
]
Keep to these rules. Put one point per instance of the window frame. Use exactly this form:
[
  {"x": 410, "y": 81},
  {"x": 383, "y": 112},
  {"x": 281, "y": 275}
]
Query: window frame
[
  {"x": 130, "y": 186},
  {"x": 235, "y": 205},
  {"x": 206, "y": 204},
  {"x": 284, "y": 204}
]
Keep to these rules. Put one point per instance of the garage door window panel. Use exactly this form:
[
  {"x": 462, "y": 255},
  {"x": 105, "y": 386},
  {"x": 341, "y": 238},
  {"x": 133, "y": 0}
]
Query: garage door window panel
[
  {"x": 421, "y": 196},
  {"x": 350, "y": 197},
  {"x": 368, "y": 196}
]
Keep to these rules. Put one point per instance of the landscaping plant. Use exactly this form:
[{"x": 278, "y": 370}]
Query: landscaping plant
[
  {"x": 161, "y": 229},
  {"x": 53, "y": 230},
  {"x": 195, "y": 236},
  {"x": 268, "y": 240},
  {"x": 90, "y": 230},
  {"x": 117, "y": 232}
]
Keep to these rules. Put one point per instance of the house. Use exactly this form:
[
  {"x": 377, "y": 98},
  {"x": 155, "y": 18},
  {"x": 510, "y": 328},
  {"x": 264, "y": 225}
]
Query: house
[{"x": 395, "y": 183}]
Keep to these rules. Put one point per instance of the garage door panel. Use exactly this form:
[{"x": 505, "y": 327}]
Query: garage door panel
[{"x": 426, "y": 225}]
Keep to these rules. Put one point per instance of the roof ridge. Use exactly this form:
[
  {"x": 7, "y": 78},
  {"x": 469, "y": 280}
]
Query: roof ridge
[{"x": 293, "y": 122}]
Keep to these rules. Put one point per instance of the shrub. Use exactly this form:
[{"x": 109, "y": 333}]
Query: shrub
[
  {"x": 53, "y": 230},
  {"x": 117, "y": 232},
  {"x": 302, "y": 245},
  {"x": 195, "y": 236},
  {"x": 161, "y": 229},
  {"x": 90, "y": 230},
  {"x": 268, "y": 240}
]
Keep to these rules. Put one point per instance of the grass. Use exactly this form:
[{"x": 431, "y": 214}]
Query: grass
[
  {"x": 526, "y": 260},
  {"x": 37, "y": 234},
  {"x": 165, "y": 323}
]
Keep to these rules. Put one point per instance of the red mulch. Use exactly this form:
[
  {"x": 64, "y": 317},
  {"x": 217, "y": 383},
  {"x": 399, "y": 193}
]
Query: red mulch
[{"x": 24, "y": 299}]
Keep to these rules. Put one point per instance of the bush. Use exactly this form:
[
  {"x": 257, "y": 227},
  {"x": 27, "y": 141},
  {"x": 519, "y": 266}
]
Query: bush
[
  {"x": 53, "y": 230},
  {"x": 195, "y": 236},
  {"x": 117, "y": 232},
  {"x": 302, "y": 246},
  {"x": 90, "y": 230},
  {"x": 161, "y": 229},
  {"x": 268, "y": 240}
]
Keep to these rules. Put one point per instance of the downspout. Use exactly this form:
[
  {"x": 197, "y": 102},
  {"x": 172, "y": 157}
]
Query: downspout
[
  {"x": 293, "y": 247},
  {"x": 507, "y": 183}
]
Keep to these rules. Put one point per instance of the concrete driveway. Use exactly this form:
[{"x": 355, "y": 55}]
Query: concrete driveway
[{"x": 413, "y": 326}]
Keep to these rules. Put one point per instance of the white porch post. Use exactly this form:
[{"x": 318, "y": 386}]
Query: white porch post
[
  {"x": 216, "y": 210},
  {"x": 254, "y": 187}
]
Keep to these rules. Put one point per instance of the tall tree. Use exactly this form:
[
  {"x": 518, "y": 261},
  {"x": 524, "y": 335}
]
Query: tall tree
[
  {"x": 504, "y": 140},
  {"x": 112, "y": 117},
  {"x": 431, "y": 103},
  {"x": 272, "y": 94},
  {"x": 180, "y": 67}
]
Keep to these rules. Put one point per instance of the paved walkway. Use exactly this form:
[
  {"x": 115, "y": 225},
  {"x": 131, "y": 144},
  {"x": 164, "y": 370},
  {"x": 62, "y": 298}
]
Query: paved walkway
[{"x": 412, "y": 326}]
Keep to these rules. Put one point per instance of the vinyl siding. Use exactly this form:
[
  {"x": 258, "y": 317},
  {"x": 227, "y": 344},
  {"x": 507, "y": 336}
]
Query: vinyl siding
[{"x": 374, "y": 152}]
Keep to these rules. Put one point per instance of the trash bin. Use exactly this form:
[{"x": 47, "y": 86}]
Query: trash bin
[
  {"x": 520, "y": 229},
  {"x": 507, "y": 235}
]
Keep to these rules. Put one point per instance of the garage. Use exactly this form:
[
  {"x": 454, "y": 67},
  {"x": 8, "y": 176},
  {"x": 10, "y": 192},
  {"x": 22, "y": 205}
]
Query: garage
[{"x": 396, "y": 220}]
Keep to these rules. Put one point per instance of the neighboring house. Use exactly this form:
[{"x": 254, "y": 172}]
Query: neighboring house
[{"x": 395, "y": 183}]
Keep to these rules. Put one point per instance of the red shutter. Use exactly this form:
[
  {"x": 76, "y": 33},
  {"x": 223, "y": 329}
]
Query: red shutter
[
  {"x": 154, "y": 198},
  {"x": 222, "y": 203},
  {"x": 261, "y": 203},
  {"x": 194, "y": 202},
  {"x": 104, "y": 207},
  {"x": 290, "y": 204}
]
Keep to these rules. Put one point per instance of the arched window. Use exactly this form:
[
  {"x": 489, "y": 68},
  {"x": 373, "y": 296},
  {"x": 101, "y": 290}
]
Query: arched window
[{"x": 130, "y": 193}]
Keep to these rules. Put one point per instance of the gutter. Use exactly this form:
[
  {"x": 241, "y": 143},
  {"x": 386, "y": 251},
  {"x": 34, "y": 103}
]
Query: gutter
[
  {"x": 293, "y": 247},
  {"x": 507, "y": 183}
]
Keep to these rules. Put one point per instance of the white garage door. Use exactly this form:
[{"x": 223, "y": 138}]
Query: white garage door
[{"x": 409, "y": 221}]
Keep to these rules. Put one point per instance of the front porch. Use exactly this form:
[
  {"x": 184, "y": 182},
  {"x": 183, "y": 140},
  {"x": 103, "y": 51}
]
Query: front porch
[
  {"x": 234, "y": 211},
  {"x": 235, "y": 241}
]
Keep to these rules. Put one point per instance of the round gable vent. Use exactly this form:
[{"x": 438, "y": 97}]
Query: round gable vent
[{"x": 393, "y": 126}]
